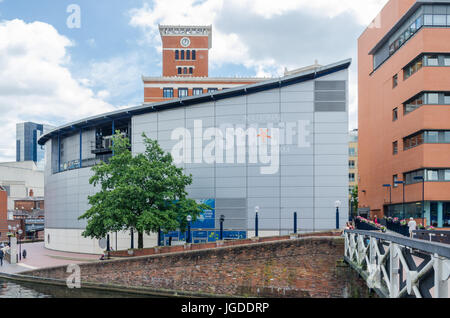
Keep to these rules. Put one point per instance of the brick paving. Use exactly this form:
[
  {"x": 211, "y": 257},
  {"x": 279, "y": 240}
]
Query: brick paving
[{"x": 40, "y": 257}]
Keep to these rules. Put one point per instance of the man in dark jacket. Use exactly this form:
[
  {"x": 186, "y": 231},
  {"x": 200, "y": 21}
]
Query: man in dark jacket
[{"x": 1, "y": 257}]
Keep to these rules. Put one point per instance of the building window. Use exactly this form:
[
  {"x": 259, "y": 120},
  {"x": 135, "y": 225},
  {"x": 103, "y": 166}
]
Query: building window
[
  {"x": 351, "y": 164},
  {"x": 351, "y": 177},
  {"x": 188, "y": 55},
  {"x": 395, "y": 114},
  {"x": 177, "y": 55},
  {"x": 428, "y": 98},
  {"x": 184, "y": 70},
  {"x": 413, "y": 141},
  {"x": 191, "y": 70},
  {"x": 395, "y": 179},
  {"x": 352, "y": 152},
  {"x": 179, "y": 70},
  {"x": 182, "y": 54},
  {"x": 395, "y": 81},
  {"x": 194, "y": 55},
  {"x": 182, "y": 92},
  {"x": 395, "y": 147},
  {"x": 168, "y": 92},
  {"x": 197, "y": 91},
  {"x": 212, "y": 90},
  {"x": 431, "y": 175}
]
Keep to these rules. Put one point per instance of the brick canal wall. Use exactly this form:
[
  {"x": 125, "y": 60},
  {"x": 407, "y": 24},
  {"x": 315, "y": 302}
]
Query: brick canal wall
[{"x": 303, "y": 267}]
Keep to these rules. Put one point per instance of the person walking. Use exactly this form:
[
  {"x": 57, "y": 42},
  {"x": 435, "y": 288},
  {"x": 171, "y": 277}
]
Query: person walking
[
  {"x": 412, "y": 226},
  {"x": 1, "y": 257},
  {"x": 24, "y": 254}
]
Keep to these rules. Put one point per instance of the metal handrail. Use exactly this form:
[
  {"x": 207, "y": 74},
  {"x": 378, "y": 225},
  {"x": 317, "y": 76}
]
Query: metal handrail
[{"x": 425, "y": 246}]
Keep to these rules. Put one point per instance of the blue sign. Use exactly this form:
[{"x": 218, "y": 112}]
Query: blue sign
[{"x": 206, "y": 219}]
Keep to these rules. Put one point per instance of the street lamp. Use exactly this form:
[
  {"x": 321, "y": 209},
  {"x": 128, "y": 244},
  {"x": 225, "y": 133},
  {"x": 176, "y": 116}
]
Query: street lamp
[
  {"x": 423, "y": 197},
  {"x": 222, "y": 219},
  {"x": 337, "y": 204},
  {"x": 403, "y": 202},
  {"x": 189, "y": 219},
  {"x": 20, "y": 246}
]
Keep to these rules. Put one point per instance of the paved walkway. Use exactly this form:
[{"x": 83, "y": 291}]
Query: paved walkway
[{"x": 39, "y": 257}]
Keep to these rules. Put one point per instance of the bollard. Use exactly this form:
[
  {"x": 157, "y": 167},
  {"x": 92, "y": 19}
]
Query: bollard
[
  {"x": 337, "y": 218},
  {"x": 132, "y": 239},
  {"x": 295, "y": 222}
]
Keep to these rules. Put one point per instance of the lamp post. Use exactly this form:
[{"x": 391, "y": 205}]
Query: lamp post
[
  {"x": 256, "y": 221},
  {"x": 222, "y": 219},
  {"x": 337, "y": 204},
  {"x": 423, "y": 197},
  {"x": 189, "y": 219},
  {"x": 295, "y": 222},
  {"x": 403, "y": 202},
  {"x": 20, "y": 246},
  {"x": 9, "y": 234}
]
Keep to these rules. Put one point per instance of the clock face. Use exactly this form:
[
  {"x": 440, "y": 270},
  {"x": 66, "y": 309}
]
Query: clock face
[{"x": 185, "y": 42}]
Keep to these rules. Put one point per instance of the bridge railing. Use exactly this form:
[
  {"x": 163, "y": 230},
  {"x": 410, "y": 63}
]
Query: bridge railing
[{"x": 399, "y": 267}]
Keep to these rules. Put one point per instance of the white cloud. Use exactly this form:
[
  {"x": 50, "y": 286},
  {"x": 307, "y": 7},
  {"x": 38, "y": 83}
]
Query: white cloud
[
  {"x": 35, "y": 81},
  {"x": 271, "y": 42}
]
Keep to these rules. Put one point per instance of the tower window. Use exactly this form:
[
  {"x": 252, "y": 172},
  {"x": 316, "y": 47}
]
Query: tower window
[
  {"x": 179, "y": 70},
  {"x": 193, "y": 55},
  {"x": 191, "y": 70},
  {"x": 188, "y": 55},
  {"x": 182, "y": 54},
  {"x": 185, "y": 70},
  {"x": 168, "y": 92},
  {"x": 177, "y": 55}
]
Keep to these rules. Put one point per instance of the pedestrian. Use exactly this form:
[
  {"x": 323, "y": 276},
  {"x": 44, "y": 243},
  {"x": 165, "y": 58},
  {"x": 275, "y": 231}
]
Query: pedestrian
[
  {"x": 24, "y": 254},
  {"x": 1, "y": 257},
  {"x": 412, "y": 226}
]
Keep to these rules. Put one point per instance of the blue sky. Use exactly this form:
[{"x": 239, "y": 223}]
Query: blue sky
[{"x": 54, "y": 74}]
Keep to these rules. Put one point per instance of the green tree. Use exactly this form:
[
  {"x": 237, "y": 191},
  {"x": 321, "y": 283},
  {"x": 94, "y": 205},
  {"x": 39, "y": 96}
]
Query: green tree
[
  {"x": 144, "y": 193},
  {"x": 354, "y": 201}
]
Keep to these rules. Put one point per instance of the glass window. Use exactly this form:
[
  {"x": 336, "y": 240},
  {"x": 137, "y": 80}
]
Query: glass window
[
  {"x": 177, "y": 55},
  {"x": 352, "y": 152},
  {"x": 448, "y": 20},
  {"x": 179, "y": 70},
  {"x": 351, "y": 177},
  {"x": 191, "y": 70},
  {"x": 446, "y": 60},
  {"x": 447, "y": 136},
  {"x": 193, "y": 55},
  {"x": 394, "y": 179},
  {"x": 407, "y": 34},
  {"x": 447, "y": 175},
  {"x": 432, "y": 175},
  {"x": 447, "y": 99},
  {"x": 188, "y": 55},
  {"x": 419, "y": 23},
  {"x": 432, "y": 137},
  {"x": 197, "y": 91},
  {"x": 432, "y": 60},
  {"x": 212, "y": 90},
  {"x": 395, "y": 147},
  {"x": 395, "y": 114},
  {"x": 428, "y": 19},
  {"x": 351, "y": 164},
  {"x": 432, "y": 98},
  {"x": 184, "y": 70},
  {"x": 412, "y": 28},
  {"x": 392, "y": 49},
  {"x": 182, "y": 92},
  {"x": 182, "y": 54},
  {"x": 168, "y": 92},
  {"x": 395, "y": 80},
  {"x": 439, "y": 20},
  {"x": 419, "y": 139}
]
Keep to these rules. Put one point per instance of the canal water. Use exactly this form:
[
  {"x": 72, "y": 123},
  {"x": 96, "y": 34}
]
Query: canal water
[{"x": 10, "y": 289}]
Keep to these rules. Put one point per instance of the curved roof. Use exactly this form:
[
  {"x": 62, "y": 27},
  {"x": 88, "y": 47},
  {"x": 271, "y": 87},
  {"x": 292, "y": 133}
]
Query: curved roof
[{"x": 193, "y": 100}]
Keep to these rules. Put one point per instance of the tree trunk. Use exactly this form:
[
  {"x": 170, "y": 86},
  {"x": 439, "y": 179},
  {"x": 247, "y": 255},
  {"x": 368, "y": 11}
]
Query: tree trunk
[{"x": 140, "y": 240}]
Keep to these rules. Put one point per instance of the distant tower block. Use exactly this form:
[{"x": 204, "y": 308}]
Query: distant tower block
[{"x": 185, "y": 50}]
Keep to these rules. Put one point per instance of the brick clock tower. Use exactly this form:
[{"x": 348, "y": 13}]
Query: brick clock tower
[
  {"x": 185, "y": 66},
  {"x": 185, "y": 50}
]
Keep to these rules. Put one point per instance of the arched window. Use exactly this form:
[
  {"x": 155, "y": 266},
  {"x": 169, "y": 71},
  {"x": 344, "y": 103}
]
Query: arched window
[
  {"x": 182, "y": 54},
  {"x": 177, "y": 55},
  {"x": 185, "y": 70},
  {"x": 193, "y": 55},
  {"x": 188, "y": 55},
  {"x": 191, "y": 70},
  {"x": 179, "y": 70}
]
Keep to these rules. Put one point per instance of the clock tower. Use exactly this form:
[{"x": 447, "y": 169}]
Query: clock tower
[{"x": 185, "y": 50}]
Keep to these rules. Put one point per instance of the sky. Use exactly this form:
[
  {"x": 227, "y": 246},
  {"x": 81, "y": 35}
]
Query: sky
[{"x": 63, "y": 60}]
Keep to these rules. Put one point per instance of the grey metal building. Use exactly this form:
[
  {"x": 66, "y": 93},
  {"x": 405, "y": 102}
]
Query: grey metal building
[{"x": 279, "y": 145}]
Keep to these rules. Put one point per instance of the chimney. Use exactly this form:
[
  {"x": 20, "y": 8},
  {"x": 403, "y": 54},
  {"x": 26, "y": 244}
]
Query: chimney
[{"x": 31, "y": 193}]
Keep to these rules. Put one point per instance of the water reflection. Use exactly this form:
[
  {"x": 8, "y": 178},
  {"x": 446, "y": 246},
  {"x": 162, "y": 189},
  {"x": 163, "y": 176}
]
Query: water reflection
[{"x": 10, "y": 289}]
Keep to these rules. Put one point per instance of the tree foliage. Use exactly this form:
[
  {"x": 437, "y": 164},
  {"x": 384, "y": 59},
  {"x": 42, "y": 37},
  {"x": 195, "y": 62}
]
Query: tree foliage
[{"x": 145, "y": 193}]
